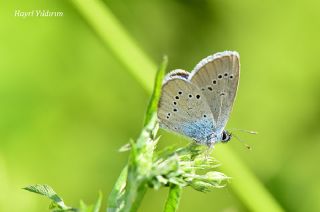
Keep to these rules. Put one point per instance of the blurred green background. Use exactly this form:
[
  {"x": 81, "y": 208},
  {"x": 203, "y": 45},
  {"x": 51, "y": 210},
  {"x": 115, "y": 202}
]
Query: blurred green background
[{"x": 67, "y": 103}]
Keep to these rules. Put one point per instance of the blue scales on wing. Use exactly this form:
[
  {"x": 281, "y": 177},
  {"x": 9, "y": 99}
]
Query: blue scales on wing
[{"x": 183, "y": 108}]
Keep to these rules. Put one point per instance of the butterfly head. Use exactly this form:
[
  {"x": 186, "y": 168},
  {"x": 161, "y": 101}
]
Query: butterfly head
[{"x": 226, "y": 136}]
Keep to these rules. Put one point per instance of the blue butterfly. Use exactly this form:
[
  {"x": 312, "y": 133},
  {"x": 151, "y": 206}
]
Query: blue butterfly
[{"x": 198, "y": 104}]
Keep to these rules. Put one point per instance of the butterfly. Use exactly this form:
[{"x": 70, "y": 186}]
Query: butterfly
[{"x": 198, "y": 104}]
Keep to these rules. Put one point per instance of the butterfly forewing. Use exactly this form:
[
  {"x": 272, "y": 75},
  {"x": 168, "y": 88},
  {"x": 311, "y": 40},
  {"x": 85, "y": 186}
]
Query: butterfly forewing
[
  {"x": 183, "y": 108},
  {"x": 217, "y": 76}
]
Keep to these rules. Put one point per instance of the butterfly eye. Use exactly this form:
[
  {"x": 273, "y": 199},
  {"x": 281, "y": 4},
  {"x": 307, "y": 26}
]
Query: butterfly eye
[{"x": 224, "y": 136}]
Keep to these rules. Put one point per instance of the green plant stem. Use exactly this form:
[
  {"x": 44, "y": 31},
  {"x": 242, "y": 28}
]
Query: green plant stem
[
  {"x": 173, "y": 199},
  {"x": 134, "y": 197},
  {"x": 99, "y": 17},
  {"x": 132, "y": 176},
  {"x": 139, "y": 166}
]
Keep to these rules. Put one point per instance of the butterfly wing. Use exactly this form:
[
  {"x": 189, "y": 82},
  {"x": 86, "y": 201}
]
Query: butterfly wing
[
  {"x": 217, "y": 76},
  {"x": 183, "y": 108}
]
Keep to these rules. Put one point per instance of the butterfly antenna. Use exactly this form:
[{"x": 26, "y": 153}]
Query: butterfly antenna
[
  {"x": 242, "y": 141},
  {"x": 242, "y": 130}
]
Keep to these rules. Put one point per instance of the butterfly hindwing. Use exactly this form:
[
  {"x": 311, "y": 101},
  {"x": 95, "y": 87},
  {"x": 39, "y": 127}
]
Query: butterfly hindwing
[{"x": 183, "y": 108}]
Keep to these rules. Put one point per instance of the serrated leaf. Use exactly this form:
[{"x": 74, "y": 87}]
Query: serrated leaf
[{"x": 47, "y": 191}]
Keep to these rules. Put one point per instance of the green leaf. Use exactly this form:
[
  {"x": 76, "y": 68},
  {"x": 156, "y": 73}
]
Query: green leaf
[
  {"x": 153, "y": 103},
  {"x": 116, "y": 200},
  {"x": 91, "y": 208},
  {"x": 47, "y": 191},
  {"x": 84, "y": 207},
  {"x": 97, "y": 206}
]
